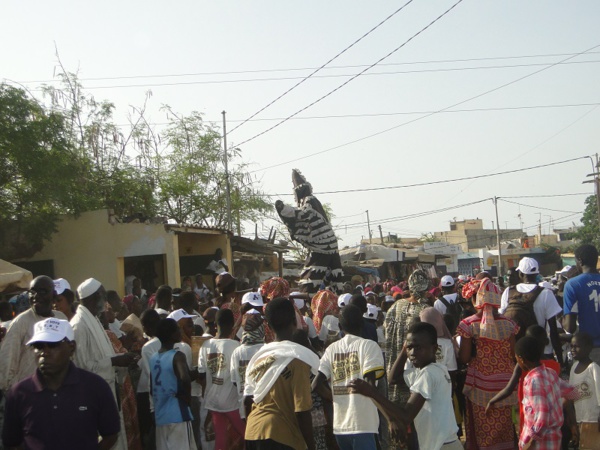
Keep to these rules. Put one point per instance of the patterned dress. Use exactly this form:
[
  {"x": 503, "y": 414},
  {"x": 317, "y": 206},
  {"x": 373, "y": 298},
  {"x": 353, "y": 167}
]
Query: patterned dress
[{"x": 487, "y": 374}]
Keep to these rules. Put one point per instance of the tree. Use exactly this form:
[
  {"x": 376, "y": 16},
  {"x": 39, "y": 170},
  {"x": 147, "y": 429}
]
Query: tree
[
  {"x": 41, "y": 174},
  {"x": 589, "y": 233}
]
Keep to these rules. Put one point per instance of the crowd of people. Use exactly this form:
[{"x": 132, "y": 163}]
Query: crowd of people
[{"x": 468, "y": 362}]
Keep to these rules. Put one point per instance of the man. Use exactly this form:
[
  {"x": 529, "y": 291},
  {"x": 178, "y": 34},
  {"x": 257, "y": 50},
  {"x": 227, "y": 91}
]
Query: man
[
  {"x": 545, "y": 306},
  {"x": 59, "y": 393},
  {"x": 278, "y": 387},
  {"x": 189, "y": 303},
  {"x": 17, "y": 361},
  {"x": 369, "y": 330},
  {"x": 164, "y": 299},
  {"x": 582, "y": 298},
  {"x": 94, "y": 350},
  {"x": 448, "y": 293},
  {"x": 355, "y": 418}
]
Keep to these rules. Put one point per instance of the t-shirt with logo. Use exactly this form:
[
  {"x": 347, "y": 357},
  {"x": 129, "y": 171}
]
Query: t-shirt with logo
[
  {"x": 214, "y": 359},
  {"x": 239, "y": 361},
  {"x": 345, "y": 360},
  {"x": 582, "y": 297},
  {"x": 587, "y": 383}
]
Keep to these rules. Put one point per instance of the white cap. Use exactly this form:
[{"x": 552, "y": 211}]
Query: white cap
[
  {"x": 371, "y": 312},
  {"x": 528, "y": 266},
  {"x": 254, "y": 298},
  {"x": 564, "y": 270},
  {"x": 462, "y": 277},
  {"x": 447, "y": 281},
  {"x": 179, "y": 314},
  {"x": 52, "y": 330},
  {"x": 344, "y": 299},
  {"x": 370, "y": 293},
  {"x": 87, "y": 288},
  {"x": 61, "y": 285},
  {"x": 389, "y": 298},
  {"x": 299, "y": 302}
]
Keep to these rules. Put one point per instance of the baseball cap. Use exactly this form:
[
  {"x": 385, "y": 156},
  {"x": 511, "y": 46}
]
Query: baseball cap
[
  {"x": 344, "y": 299},
  {"x": 447, "y": 281},
  {"x": 52, "y": 330},
  {"x": 88, "y": 287},
  {"x": 254, "y": 298},
  {"x": 370, "y": 293},
  {"x": 179, "y": 314},
  {"x": 61, "y": 285},
  {"x": 528, "y": 266},
  {"x": 371, "y": 312},
  {"x": 389, "y": 298},
  {"x": 462, "y": 277}
]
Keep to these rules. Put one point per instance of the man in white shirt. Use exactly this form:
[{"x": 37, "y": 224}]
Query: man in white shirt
[
  {"x": 545, "y": 307},
  {"x": 355, "y": 418},
  {"x": 448, "y": 293}
]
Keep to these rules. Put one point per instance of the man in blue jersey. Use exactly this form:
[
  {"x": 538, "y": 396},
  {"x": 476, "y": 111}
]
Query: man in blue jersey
[
  {"x": 171, "y": 389},
  {"x": 582, "y": 298}
]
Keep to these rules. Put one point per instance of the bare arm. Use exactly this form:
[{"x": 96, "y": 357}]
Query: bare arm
[
  {"x": 319, "y": 385},
  {"x": 555, "y": 339},
  {"x": 396, "y": 375},
  {"x": 180, "y": 367},
  {"x": 508, "y": 389},
  {"x": 248, "y": 402},
  {"x": 464, "y": 351},
  {"x": 304, "y": 419},
  {"x": 570, "y": 323}
]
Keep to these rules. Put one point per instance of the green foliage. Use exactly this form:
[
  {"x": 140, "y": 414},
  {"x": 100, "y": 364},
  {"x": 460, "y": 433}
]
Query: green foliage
[{"x": 589, "y": 233}]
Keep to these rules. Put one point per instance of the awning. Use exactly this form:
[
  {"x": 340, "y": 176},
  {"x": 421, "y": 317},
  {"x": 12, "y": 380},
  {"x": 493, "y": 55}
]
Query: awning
[{"x": 13, "y": 277}]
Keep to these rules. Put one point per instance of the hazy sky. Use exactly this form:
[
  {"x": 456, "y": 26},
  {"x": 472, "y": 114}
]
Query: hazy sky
[{"x": 240, "y": 55}]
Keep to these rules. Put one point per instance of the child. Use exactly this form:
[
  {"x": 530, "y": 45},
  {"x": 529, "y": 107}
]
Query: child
[
  {"x": 171, "y": 391},
  {"x": 585, "y": 377},
  {"x": 355, "y": 419},
  {"x": 542, "y": 392},
  {"x": 430, "y": 402}
]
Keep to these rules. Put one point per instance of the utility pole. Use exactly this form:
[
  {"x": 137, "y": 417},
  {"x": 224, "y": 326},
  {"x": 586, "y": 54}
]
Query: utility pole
[
  {"x": 227, "y": 184},
  {"x": 498, "y": 238},
  {"x": 381, "y": 235},
  {"x": 540, "y": 228},
  {"x": 596, "y": 182},
  {"x": 369, "y": 228}
]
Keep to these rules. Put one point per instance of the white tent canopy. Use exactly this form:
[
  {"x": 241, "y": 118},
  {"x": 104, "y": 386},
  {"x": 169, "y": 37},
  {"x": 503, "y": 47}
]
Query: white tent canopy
[{"x": 13, "y": 277}]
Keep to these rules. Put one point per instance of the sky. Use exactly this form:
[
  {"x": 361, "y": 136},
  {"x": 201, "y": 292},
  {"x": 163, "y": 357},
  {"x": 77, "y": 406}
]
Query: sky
[{"x": 489, "y": 88}]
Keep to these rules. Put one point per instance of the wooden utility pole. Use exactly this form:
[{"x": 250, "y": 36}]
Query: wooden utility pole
[
  {"x": 369, "y": 228},
  {"x": 596, "y": 182},
  {"x": 381, "y": 235},
  {"x": 498, "y": 238},
  {"x": 227, "y": 184}
]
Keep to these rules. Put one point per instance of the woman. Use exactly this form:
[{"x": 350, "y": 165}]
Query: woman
[
  {"x": 325, "y": 310},
  {"x": 487, "y": 345}
]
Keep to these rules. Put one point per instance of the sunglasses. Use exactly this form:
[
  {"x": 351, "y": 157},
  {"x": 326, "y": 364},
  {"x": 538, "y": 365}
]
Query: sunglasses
[{"x": 47, "y": 345}]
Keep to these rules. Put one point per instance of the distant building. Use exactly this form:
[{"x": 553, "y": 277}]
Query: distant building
[{"x": 470, "y": 235}]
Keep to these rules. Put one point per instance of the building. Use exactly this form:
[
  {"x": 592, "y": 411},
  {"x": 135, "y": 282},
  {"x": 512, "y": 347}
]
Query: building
[{"x": 470, "y": 235}]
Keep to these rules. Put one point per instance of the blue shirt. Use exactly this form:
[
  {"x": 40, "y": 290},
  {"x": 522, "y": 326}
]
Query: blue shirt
[
  {"x": 582, "y": 297},
  {"x": 168, "y": 408}
]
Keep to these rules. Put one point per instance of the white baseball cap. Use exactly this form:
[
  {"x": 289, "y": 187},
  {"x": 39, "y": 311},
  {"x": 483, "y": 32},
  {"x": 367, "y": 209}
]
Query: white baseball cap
[
  {"x": 254, "y": 298},
  {"x": 87, "y": 288},
  {"x": 371, "y": 312},
  {"x": 344, "y": 299},
  {"x": 61, "y": 285},
  {"x": 389, "y": 298},
  {"x": 52, "y": 330},
  {"x": 528, "y": 266},
  {"x": 462, "y": 277},
  {"x": 447, "y": 281},
  {"x": 179, "y": 314}
]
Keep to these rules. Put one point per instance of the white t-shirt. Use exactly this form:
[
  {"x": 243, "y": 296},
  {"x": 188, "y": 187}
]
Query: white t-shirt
[
  {"x": 312, "y": 331},
  {"x": 435, "y": 423},
  {"x": 187, "y": 351},
  {"x": 450, "y": 298},
  {"x": 444, "y": 355},
  {"x": 587, "y": 406},
  {"x": 215, "y": 361},
  {"x": 545, "y": 307},
  {"x": 345, "y": 360},
  {"x": 330, "y": 329},
  {"x": 150, "y": 348},
  {"x": 239, "y": 361}
]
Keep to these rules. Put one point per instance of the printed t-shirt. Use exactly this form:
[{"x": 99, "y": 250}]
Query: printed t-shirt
[
  {"x": 345, "y": 360},
  {"x": 587, "y": 383},
  {"x": 330, "y": 329},
  {"x": 435, "y": 423},
  {"x": 582, "y": 297},
  {"x": 545, "y": 307},
  {"x": 214, "y": 359},
  {"x": 239, "y": 361},
  {"x": 274, "y": 417}
]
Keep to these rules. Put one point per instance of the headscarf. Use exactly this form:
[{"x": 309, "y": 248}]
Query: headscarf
[
  {"x": 253, "y": 329},
  {"x": 274, "y": 288},
  {"x": 470, "y": 289},
  {"x": 435, "y": 318},
  {"x": 128, "y": 300},
  {"x": 488, "y": 299},
  {"x": 323, "y": 303},
  {"x": 418, "y": 283}
]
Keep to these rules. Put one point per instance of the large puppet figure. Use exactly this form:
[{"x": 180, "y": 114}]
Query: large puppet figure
[{"x": 308, "y": 224}]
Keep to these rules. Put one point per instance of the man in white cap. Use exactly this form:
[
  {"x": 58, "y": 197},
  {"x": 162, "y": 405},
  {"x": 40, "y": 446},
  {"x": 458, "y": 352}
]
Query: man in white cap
[
  {"x": 59, "y": 393},
  {"x": 545, "y": 305},
  {"x": 448, "y": 294},
  {"x": 94, "y": 350}
]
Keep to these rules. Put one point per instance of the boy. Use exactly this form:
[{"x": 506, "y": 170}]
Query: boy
[
  {"x": 171, "y": 391},
  {"x": 278, "y": 387},
  {"x": 430, "y": 402},
  {"x": 542, "y": 392},
  {"x": 220, "y": 395},
  {"x": 355, "y": 418},
  {"x": 585, "y": 377}
]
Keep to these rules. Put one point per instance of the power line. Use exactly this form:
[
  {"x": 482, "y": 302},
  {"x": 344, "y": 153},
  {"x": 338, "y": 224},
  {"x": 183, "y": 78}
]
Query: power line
[
  {"x": 354, "y": 77},
  {"x": 429, "y": 183},
  {"x": 296, "y": 69},
  {"x": 427, "y": 115},
  {"x": 549, "y": 195},
  {"x": 538, "y": 207},
  {"x": 321, "y": 67}
]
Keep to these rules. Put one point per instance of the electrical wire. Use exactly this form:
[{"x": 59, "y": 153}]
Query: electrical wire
[
  {"x": 537, "y": 207},
  {"x": 354, "y": 77}
]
